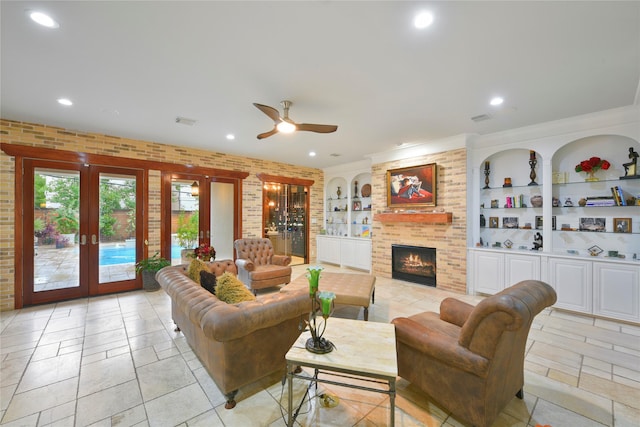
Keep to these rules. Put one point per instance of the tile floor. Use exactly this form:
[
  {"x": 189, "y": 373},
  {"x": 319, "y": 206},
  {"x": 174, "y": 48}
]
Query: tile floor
[{"x": 116, "y": 361}]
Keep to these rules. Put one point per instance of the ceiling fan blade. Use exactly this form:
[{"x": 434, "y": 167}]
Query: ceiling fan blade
[
  {"x": 269, "y": 111},
  {"x": 317, "y": 128},
  {"x": 268, "y": 134}
]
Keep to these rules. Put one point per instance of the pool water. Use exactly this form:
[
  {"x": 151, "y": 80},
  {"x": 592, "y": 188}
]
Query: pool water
[{"x": 124, "y": 255}]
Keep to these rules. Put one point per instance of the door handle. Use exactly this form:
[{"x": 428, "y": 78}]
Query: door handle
[
  {"x": 83, "y": 239},
  {"x": 94, "y": 239},
  {"x": 201, "y": 234},
  {"x": 208, "y": 234}
]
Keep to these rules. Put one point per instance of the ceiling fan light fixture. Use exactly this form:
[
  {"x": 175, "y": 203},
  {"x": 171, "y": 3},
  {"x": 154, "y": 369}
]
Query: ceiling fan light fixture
[
  {"x": 43, "y": 19},
  {"x": 286, "y": 127}
]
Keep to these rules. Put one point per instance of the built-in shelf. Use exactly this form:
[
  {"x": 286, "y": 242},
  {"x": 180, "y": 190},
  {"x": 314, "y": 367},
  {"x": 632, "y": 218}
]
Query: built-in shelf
[{"x": 422, "y": 217}]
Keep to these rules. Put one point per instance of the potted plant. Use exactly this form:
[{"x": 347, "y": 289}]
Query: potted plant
[
  {"x": 148, "y": 268},
  {"x": 187, "y": 234}
]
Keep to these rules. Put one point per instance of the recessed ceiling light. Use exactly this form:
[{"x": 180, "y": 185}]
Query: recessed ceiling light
[
  {"x": 312, "y": 153},
  {"x": 65, "y": 101},
  {"x": 43, "y": 19},
  {"x": 423, "y": 19},
  {"x": 230, "y": 136},
  {"x": 496, "y": 100}
]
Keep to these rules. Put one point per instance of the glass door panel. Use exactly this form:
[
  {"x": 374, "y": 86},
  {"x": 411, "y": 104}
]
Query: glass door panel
[
  {"x": 222, "y": 219},
  {"x": 185, "y": 220},
  {"x": 117, "y": 249},
  {"x": 56, "y": 217},
  {"x": 285, "y": 219}
]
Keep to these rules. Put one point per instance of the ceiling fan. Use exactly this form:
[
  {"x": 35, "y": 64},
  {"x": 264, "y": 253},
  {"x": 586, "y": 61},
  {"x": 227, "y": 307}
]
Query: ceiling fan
[{"x": 286, "y": 125}]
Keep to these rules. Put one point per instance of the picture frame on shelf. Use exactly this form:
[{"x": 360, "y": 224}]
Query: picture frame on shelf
[
  {"x": 493, "y": 222},
  {"x": 494, "y": 204},
  {"x": 592, "y": 224},
  {"x": 510, "y": 222},
  {"x": 622, "y": 225},
  {"x": 412, "y": 186},
  {"x": 357, "y": 205},
  {"x": 539, "y": 222}
]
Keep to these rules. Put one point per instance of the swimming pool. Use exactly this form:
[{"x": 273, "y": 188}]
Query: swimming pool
[{"x": 124, "y": 255}]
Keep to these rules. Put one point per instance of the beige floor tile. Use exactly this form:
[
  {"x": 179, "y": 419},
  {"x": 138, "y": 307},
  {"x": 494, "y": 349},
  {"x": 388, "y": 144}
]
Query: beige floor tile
[
  {"x": 65, "y": 411},
  {"x": 546, "y": 413},
  {"x": 208, "y": 419},
  {"x": 177, "y": 407},
  {"x": 105, "y": 374},
  {"x": 108, "y": 402},
  {"x": 162, "y": 377},
  {"x": 48, "y": 371},
  {"x": 609, "y": 389},
  {"x": 563, "y": 377},
  {"x": 625, "y": 416},
  {"x": 40, "y": 399},
  {"x": 577, "y": 400}
]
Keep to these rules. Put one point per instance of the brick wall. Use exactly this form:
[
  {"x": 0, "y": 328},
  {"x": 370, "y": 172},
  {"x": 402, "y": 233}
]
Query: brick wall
[
  {"x": 36, "y": 135},
  {"x": 449, "y": 240}
]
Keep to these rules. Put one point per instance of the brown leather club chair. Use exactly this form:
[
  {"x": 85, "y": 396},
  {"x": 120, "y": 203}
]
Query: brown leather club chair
[
  {"x": 471, "y": 359},
  {"x": 258, "y": 266}
]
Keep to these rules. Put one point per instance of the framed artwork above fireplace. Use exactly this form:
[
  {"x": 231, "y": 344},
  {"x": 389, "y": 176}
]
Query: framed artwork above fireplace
[{"x": 412, "y": 186}]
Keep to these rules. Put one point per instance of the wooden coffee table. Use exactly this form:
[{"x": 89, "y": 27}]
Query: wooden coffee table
[{"x": 364, "y": 350}]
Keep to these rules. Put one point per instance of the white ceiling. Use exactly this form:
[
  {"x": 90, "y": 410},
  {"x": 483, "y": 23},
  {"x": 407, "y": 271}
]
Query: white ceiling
[{"x": 132, "y": 67}]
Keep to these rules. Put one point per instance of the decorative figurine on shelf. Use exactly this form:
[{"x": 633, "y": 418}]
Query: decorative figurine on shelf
[
  {"x": 355, "y": 190},
  {"x": 507, "y": 182},
  {"x": 532, "y": 163},
  {"x": 568, "y": 203},
  {"x": 486, "y": 175},
  {"x": 631, "y": 168},
  {"x": 339, "y": 192},
  {"x": 537, "y": 242}
]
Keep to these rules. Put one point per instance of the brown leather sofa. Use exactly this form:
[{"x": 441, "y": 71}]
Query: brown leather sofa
[
  {"x": 258, "y": 266},
  {"x": 237, "y": 343},
  {"x": 471, "y": 359}
]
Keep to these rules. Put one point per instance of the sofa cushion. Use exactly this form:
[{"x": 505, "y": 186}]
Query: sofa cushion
[
  {"x": 208, "y": 281},
  {"x": 194, "y": 269},
  {"x": 270, "y": 271},
  {"x": 231, "y": 290}
]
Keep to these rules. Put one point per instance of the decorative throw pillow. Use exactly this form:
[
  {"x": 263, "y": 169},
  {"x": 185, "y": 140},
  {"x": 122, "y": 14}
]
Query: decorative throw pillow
[
  {"x": 208, "y": 281},
  {"x": 195, "y": 267},
  {"x": 231, "y": 290}
]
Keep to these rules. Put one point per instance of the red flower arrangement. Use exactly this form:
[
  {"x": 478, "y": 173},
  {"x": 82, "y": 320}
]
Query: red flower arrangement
[
  {"x": 204, "y": 252},
  {"x": 592, "y": 165}
]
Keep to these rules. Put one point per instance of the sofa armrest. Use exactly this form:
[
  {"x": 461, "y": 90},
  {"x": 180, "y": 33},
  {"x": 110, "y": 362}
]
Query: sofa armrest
[
  {"x": 281, "y": 260},
  {"x": 226, "y": 322},
  {"x": 439, "y": 346},
  {"x": 455, "y": 311},
  {"x": 245, "y": 264}
]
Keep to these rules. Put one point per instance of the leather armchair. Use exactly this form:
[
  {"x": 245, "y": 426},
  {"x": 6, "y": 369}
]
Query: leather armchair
[
  {"x": 471, "y": 359},
  {"x": 258, "y": 266}
]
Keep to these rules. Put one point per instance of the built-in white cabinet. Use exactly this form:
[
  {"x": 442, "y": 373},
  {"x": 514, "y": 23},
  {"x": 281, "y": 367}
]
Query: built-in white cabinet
[
  {"x": 345, "y": 251},
  {"x": 494, "y": 271},
  {"x": 346, "y": 237},
  {"x": 584, "y": 229}
]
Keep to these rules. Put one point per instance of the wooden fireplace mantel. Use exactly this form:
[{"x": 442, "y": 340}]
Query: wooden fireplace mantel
[{"x": 421, "y": 217}]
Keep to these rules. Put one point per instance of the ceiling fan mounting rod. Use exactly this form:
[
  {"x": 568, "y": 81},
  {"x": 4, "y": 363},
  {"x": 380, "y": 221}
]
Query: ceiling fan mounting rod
[{"x": 285, "y": 105}]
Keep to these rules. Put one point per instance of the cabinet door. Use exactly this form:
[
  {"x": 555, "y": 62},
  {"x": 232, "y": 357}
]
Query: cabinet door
[
  {"x": 572, "y": 281},
  {"x": 328, "y": 250},
  {"x": 616, "y": 291},
  {"x": 488, "y": 272},
  {"x": 362, "y": 254},
  {"x": 521, "y": 267},
  {"x": 347, "y": 252}
]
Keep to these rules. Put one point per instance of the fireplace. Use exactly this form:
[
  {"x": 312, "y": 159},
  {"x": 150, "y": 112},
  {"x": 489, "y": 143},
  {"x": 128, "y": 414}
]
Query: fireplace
[{"x": 415, "y": 264}]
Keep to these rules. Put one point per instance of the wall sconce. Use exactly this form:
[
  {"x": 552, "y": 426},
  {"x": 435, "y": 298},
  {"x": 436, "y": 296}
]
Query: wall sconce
[{"x": 195, "y": 189}]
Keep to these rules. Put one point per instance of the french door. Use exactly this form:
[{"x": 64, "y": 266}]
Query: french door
[
  {"x": 199, "y": 210},
  {"x": 82, "y": 230}
]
